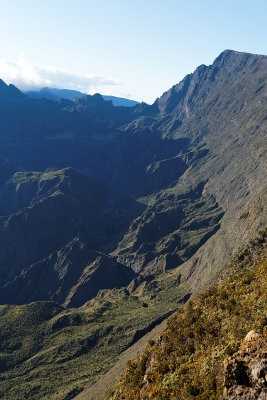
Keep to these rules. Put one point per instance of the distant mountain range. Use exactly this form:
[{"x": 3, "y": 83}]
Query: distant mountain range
[
  {"x": 56, "y": 94},
  {"x": 123, "y": 213}
]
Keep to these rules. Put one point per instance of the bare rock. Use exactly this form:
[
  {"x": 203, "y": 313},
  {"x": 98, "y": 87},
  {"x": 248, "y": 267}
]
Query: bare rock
[
  {"x": 245, "y": 373},
  {"x": 252, "y": 335}
]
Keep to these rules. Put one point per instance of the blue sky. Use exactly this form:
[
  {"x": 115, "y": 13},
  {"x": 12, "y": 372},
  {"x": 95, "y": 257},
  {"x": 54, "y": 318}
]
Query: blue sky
[{"x": 131, "y": 48}]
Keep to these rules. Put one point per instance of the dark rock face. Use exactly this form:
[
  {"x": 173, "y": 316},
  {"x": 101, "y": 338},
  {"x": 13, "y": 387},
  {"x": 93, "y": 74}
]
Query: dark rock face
[
  {"x": 103, "y": 273},
  {"x": 246, "y": 371}
]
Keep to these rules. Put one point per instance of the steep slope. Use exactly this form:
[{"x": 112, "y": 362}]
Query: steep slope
[
  {"x": 221, "y": 108},
  {"x": 245, "y": 371},
  {"x": 187, "y": 96},
  {"x": 9, "y": 94},
  {"x": 236, "y": 166},
  {"x": 54, "y": 222},
  {"x": 43, "y": 342},
  {"x": 186, "y": 361},
  {"x": 174, "y": 225}
]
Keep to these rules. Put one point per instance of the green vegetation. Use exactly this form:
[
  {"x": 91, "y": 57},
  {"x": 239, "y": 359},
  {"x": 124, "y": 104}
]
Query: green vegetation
[
  {"x": 49, "y": 352},
  {"x": 175, "y": 224},
  {"x": 186, "y": 362},
  {"x": 29, "y": 177},
  {"x": 25, "y": 177}
]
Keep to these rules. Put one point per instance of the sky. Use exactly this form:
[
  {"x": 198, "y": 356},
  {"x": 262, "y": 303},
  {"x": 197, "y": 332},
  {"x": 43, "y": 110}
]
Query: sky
[{"x": 128, "y": 48}]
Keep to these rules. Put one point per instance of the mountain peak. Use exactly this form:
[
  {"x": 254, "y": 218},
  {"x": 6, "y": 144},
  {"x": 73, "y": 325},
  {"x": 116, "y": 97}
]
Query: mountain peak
[
  {"x": 194, "y": 88},
  {"x": 235, "y": 52},
  {"x": 9, "y": 92},
  {"x": 2, "y": 84},
  {"x": 237, "y": 57}
]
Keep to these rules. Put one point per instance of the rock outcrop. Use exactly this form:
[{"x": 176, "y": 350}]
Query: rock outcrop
[{"x": 246, "y": 371}]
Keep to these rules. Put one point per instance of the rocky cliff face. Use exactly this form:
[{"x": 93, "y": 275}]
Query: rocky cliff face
[
  {"x": 246, "y": 371},
  {"x": 221, "y": 111},
  {"x": 234, "y": 140},
  {"x": 183, "y": 99}
]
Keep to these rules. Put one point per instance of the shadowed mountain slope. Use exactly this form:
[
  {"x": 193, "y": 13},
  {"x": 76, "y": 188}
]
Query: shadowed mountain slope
[{"x": 55, "y": 221}]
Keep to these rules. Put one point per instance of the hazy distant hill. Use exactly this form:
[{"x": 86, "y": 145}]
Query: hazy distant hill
[
  {"x": 120, "y": 101},
  {"x": 56, "y": 94}
]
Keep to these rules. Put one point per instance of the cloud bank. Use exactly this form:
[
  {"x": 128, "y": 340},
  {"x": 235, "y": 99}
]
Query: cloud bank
[{"x": 28, "y": 76}]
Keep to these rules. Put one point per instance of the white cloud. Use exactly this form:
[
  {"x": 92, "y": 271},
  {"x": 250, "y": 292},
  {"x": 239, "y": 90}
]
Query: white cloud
[{"x": 27, "y": 76}]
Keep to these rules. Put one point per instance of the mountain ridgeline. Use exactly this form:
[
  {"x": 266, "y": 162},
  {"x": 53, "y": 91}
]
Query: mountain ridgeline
[
  {"x": 187, "y": 359},
  {"x": 57, "y": 94},
  {"x": 112, "y": 216}
]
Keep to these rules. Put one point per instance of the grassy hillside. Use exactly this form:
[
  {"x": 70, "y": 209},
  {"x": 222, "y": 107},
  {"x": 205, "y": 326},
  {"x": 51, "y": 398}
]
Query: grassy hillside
[
  {"x": 186, "y": 361},
  {"x": 49, "y": 352}
]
